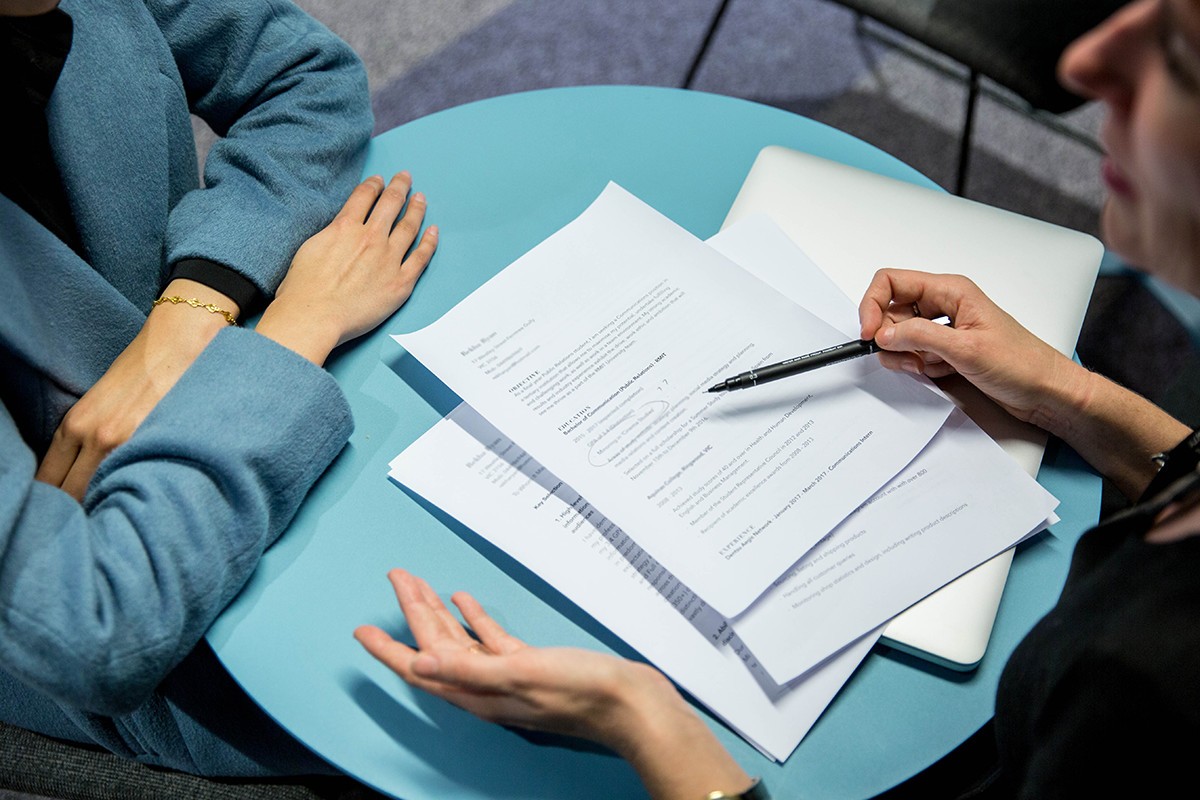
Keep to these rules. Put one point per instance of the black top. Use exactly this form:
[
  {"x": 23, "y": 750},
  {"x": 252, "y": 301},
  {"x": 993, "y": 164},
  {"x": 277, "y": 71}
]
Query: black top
[
  {"x": 1102, "y": 698},
  {"x": 33, "y": 51}
]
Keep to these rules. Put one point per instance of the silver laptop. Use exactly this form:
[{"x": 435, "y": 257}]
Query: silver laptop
[{"x": 851, "y": 223}]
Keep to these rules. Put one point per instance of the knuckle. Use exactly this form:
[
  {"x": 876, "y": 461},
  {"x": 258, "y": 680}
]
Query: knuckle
[
  {"x": 75, "y": 425},
  {"x": 406, "y": 229},
  {"x": 425, "y": 249},
  {"x": 67, "y": 429},
  {"x": 396, "y": 191},
  {"x": 965, "y": 283},
  {"x": 108, "y": 437}
]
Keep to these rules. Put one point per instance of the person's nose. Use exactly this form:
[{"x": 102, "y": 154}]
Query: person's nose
[{"x": 1105, "y": 63}]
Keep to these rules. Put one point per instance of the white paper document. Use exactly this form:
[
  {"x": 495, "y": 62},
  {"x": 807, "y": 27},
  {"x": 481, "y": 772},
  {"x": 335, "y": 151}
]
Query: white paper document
[
  {"x": 960, "y": 502},
  {"x": 473, "y": 472},
  {"x": 759, "y": 246},
  {"x": 594, "y": 351}
]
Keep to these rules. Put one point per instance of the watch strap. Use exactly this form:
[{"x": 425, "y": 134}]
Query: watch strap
[{"x": 1174, "y": 464}]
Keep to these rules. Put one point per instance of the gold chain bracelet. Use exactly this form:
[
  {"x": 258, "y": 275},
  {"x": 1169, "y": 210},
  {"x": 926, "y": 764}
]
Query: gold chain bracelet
[{"x": 194, "y": 303}]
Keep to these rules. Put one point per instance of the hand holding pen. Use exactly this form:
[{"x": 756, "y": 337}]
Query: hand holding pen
[{"x": 1027, "y": 377}]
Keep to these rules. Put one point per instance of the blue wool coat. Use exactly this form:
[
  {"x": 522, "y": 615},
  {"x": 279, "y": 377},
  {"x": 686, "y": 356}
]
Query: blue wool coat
[{"x": 100, "y": 602}]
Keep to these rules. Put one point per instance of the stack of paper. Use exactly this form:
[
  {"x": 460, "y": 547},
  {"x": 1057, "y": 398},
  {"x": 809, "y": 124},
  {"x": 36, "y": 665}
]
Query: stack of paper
[{"x": 752, "y": 544}]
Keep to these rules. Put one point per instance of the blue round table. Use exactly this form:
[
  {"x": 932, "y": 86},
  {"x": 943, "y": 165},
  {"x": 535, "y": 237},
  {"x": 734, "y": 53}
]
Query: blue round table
[{"x": 501, "y": 175}]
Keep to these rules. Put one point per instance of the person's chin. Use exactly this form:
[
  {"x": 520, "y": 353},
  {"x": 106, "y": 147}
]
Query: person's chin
[
  {"x": 1123, "y": 236},
  {"x": 1119, "y": 233}
]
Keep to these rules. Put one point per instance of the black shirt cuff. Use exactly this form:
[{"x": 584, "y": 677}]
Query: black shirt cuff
[{"x": 221, "y": 278}]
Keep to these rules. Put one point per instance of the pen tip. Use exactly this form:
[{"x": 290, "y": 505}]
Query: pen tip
[{"x": 720, "y": 387}]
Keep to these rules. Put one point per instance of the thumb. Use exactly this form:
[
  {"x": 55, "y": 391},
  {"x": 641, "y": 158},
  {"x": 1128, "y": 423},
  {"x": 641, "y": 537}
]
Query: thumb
[
  {"x": 923, "y": 336},
  {"x": 426, "y": 666},
  {"x": 473, "y": 672}
]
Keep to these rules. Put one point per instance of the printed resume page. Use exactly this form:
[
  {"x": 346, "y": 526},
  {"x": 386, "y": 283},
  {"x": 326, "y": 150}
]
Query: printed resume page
[{"x": 595, "y": 351}]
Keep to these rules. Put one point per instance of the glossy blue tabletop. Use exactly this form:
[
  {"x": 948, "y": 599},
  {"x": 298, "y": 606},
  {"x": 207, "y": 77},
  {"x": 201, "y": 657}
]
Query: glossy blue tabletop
[{"x": 501, "y": 175}]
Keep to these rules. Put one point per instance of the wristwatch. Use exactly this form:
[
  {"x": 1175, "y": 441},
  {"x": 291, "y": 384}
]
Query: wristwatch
[
  {"x": 757, "y": 791},
  {"x": 1174, "y": 464}
]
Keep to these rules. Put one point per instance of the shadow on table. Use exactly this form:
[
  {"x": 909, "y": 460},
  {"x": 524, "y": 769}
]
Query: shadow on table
[
  {"x": 424, "y": 383},
  {"x": 454, "y": 742}
]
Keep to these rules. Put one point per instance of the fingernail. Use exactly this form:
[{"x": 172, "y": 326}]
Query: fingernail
[
  {"x": 425, "y": 665},
  {"x": 909, "y": 365},
  {"x": 419, "y": 197},
  {"x": 885, "y": 336},
  {"x": 432, "y": 231}
]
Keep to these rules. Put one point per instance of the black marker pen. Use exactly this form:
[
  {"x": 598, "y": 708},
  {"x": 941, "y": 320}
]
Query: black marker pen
[{"x": 805, "y": 363}]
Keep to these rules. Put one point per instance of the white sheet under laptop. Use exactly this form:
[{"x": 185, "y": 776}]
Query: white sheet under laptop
[{"x": 593, "y": 350}]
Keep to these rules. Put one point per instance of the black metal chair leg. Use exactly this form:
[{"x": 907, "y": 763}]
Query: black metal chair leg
[
  {"x": 964, "y": 145},
  {"x": 708, "y": 37}
]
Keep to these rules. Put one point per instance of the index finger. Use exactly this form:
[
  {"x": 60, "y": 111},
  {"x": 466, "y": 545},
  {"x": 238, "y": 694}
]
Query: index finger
[
  {"x": 81, "y": 472},
  {"x": 397, "y": 656},
  {"x": 490, "y": 632},
  {"x": 391, "y": 201},
  {"x": 59, "y": 459},
  {"x": 400, "y": 659},
  {"x": 428, "y": 618},
  {"x": 930, "y": 294},
  {"x": 427, "y": 625},
  {"x": 361, "y": 200}
]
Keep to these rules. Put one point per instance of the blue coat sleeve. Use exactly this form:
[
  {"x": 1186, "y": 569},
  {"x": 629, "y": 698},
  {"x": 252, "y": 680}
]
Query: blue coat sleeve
[
  {"x": 290, "y": 101},
  {"x": 99, "y": 601}
]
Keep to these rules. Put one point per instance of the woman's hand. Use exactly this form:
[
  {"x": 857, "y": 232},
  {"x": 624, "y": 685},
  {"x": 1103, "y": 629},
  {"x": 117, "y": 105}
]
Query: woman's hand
[
  {"x": 1026, "y": 376},
  {"x": 343, "y": 282},
  {"x": 626, "y": 706},
  {"x": 355, "y": 273},
  {"x": 108, "y": 413},
  {"x": 500, "y": 678},
  {"x": 1116, "y": 430}
]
